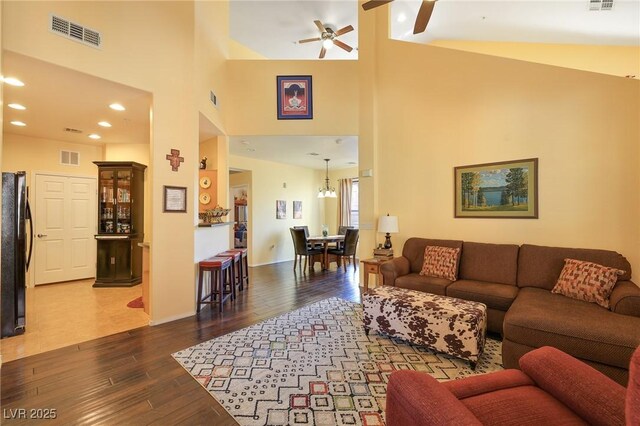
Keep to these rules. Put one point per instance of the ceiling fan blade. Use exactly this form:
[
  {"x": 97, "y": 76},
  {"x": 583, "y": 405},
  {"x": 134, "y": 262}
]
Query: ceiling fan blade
[
  {"x": 344, "y": 30},
  {"x": 374, "y": 3},
  {"x": 426, "y": 8},
  {"x": 342, "y": 45},
  {"x": 320, "y": 26},
  {"x": 322, "y": 52},
  {"x": 307, "y": 40}
]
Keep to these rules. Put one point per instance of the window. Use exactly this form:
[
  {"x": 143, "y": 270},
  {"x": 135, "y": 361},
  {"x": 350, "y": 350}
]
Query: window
[{"x": 354, "y": 203}]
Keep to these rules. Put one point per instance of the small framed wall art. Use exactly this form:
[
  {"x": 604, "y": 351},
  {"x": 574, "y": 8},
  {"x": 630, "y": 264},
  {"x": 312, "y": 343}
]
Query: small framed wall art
[
  {"x": 295, "y": 101},
  {"x": 175, "y": 199},
  {"x": 281, "y": 209},
  {"x": 297, "y": 209},
  {"x": 508, "y": 189}
]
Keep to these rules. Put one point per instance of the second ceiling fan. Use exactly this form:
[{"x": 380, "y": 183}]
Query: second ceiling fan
[
  {"x": 426, "y": 8},
  {"x": 329, "y": 38}
]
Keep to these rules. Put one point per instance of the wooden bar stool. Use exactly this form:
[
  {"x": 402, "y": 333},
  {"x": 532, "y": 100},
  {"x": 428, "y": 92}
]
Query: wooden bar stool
[
  {"x": 244, "y": 267},
  {"x": 237, "y": 265},
  {"x": 220, "y": 274}
]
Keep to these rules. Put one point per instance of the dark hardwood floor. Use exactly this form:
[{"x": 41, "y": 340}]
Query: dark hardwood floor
[{"x": 131, "y": 378}]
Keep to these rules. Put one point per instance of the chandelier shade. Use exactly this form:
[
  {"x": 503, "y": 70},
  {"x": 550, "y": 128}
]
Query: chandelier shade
[{"x": 327, "y": 191}]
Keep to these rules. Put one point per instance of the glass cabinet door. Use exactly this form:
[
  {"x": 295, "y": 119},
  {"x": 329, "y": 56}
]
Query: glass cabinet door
[
  {"x": 123, "y": 209},
  {"x": 107, "y": 204}
]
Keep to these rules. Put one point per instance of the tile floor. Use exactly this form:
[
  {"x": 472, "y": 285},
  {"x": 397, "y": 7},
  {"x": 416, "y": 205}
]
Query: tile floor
[{"x": 68, "y": 313}]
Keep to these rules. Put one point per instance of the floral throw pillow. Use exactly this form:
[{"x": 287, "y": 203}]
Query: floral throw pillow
[
  {"x": 440, "y": 262},
  {"x": 587, "y": 281}
]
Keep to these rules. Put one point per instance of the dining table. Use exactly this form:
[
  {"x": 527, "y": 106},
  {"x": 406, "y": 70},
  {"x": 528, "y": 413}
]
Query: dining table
[{"x": 325, "y": 241}]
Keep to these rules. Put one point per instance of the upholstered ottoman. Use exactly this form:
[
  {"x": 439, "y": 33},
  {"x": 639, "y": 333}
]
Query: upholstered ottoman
[{"x": 445, "y": 324}]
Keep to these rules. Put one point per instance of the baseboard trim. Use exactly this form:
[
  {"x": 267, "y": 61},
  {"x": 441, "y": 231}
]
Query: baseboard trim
[
  {"x": 269, "y": 263},
  {"x": 171, "y": 318}
]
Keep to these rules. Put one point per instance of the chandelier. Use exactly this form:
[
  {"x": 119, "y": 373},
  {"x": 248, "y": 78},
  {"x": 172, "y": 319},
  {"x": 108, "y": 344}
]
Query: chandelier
[{"x": 327, "y": 191}]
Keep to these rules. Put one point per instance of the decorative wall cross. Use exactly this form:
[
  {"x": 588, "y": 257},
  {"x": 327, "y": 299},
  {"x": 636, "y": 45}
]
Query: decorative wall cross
[{"x": 175, "y": 159}]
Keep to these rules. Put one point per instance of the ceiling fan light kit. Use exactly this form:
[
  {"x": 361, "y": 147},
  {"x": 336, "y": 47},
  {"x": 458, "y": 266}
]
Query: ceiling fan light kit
[{"x": 329, "y": 38}]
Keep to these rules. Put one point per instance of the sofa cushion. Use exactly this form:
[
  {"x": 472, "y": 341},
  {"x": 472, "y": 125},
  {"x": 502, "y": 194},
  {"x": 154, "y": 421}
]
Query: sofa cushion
[
  {"x": 540, "y": 266},
  {"x": 423, "y": 283},
  {"x": 494, "y": 295},
  {"x": 587, "y": 281},
  {"x": 497, "y": 263},
  {"x": 584, "y": 330},
  {"x": 440, "y": 262},
  {"x": 414, "y": 250}
]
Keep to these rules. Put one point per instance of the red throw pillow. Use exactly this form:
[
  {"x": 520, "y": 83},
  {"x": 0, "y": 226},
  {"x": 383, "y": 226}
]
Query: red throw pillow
[
  {"x": 587, "y": 281},
  {"x": 440, "y": 262}
]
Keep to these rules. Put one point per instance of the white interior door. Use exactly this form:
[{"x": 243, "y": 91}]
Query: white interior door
[{"x": 64, "y": 228}]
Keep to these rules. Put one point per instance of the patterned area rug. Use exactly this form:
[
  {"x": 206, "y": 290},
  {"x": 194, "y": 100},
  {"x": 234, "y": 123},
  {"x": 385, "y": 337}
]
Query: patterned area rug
[{"x": 314, "y": 366}]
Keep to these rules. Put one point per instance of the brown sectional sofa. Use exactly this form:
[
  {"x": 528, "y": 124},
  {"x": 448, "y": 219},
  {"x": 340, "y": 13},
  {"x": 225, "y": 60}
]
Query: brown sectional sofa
[{"x": 515, "y": 283}]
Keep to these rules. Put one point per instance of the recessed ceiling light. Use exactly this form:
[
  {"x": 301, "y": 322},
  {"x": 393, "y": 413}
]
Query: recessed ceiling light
[
  {"x": 244, "y": 142},
  {"x": 18, "y": 123},
  {"x": 402, "y": 17},
  {"x": 250, "y": 149},
  {"x": 17, "y": 106},
  {"x": 12, "y": 81},
  {"x": 117, "y": 107},
  {"x": 94, "y": 136},
  {"x": 104, "y": 124}
]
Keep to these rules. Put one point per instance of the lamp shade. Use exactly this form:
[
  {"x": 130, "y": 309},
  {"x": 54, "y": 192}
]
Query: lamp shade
[{"x": 388, "y": 224}]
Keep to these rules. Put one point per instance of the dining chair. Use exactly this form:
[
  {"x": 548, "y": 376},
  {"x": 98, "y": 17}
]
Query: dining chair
[
  {"x": 301, "y": 247},
  {"x": 306, "y": 234},
  {"x": 348, "y": 250},
  {"x": 342, "y": 230}
]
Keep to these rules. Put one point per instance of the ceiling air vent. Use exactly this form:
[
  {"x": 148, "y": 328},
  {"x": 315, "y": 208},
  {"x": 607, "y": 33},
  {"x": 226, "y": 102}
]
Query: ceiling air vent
[
  {"x": 72, "y": 130},
  {"x": 74, "y": 31},
  {"x": 600, "y": 5},
  {"x": 69, "y": 158}
]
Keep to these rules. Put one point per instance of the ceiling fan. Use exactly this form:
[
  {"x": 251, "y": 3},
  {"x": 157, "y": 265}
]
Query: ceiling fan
[
  {"x": 426, "y": 8},
  {"x": 329, "y": 38}
]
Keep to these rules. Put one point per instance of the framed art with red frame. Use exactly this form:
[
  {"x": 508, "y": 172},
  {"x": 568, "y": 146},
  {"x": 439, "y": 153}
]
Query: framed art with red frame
[{"x": 295, "y": 100}]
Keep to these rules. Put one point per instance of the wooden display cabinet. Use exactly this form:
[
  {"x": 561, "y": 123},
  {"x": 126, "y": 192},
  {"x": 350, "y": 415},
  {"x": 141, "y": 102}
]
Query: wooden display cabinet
[{"x": 120, "y": 223}]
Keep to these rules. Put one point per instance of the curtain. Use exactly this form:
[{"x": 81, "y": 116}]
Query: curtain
[{"x": 344, "y": 203}]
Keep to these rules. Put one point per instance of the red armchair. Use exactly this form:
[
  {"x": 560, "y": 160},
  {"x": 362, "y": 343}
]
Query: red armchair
[{"x": 552, "y": 388}]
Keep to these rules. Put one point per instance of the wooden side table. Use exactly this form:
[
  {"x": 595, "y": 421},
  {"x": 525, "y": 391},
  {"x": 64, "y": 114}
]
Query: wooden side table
[{"x": 372, "y": 266}]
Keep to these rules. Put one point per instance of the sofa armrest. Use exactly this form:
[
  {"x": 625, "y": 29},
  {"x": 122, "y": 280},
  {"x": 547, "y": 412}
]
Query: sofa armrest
[
  {"x": 625, "y": 299},
  {"x": 396, "y": 268},
  {"x": 418, "y": 399},
  {"x": 590, "y": 394}
]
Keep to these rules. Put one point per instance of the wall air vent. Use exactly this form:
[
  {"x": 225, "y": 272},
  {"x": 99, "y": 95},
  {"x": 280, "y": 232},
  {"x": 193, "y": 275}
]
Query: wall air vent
[
  {"x": 74, "y": 31},
  {"x": 69, "y": 158},
  {"x": 597, "y": 5}
]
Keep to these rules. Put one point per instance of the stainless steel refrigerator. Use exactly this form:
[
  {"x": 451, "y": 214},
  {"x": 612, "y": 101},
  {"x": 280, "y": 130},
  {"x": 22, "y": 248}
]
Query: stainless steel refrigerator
[{"x": 15, "y": 260}]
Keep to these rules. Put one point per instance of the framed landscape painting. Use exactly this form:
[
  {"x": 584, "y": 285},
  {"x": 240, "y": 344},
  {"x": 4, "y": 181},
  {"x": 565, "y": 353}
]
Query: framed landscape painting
[
  {"x": 508, "y": 189},
  {"x": 294, "y": 97}
]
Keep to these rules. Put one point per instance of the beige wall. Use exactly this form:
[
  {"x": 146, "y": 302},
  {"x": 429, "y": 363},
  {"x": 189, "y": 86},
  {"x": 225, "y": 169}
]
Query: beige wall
[
  {"x": 156, "y": 54},
  {"x": 269, "y": 237},
  {"x": 251, "y": 105},
  {"x": 474, "y": 109},
  {"x": 330, "y": 217},
  {"x": 614, "y": 60},
  {"x": 43, "y": 155}
]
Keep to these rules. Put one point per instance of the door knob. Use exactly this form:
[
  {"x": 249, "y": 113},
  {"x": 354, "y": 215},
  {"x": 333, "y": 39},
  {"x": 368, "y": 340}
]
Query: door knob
[{"x": 41, "y": 235}]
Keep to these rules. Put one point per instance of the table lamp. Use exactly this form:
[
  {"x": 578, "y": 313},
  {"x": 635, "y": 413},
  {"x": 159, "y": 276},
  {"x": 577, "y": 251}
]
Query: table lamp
[{"x": 388, "y": 224}]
